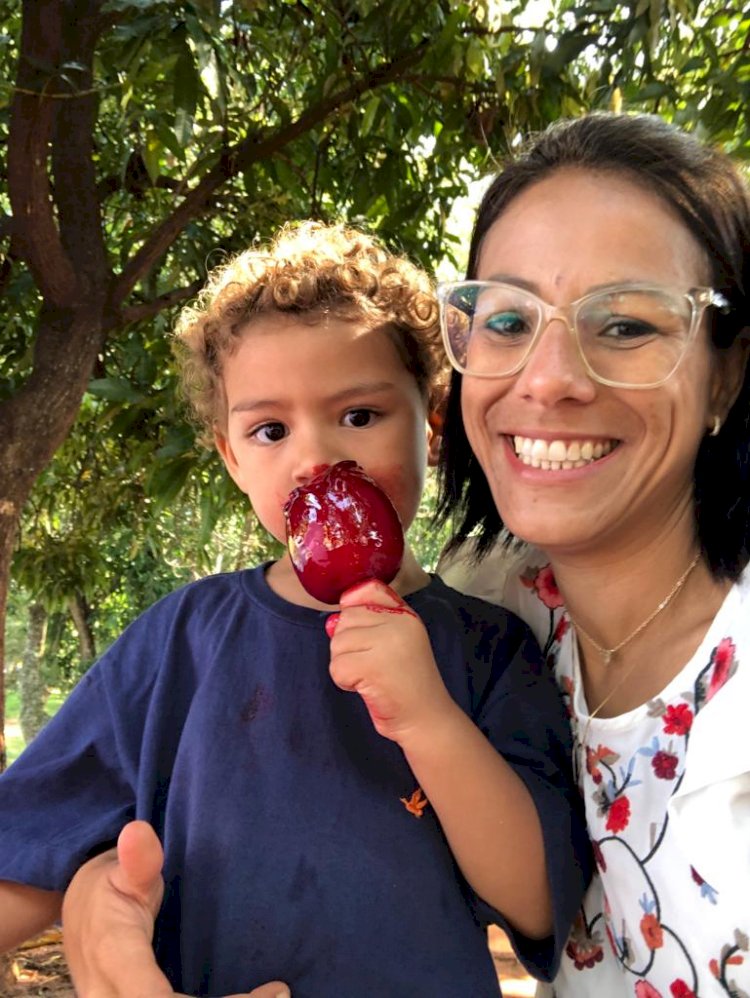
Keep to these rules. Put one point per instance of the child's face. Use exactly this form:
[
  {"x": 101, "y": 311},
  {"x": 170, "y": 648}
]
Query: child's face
[{"x": 301, "y": 397}]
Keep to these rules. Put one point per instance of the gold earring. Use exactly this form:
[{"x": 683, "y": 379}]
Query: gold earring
[{"x": 714, "y": 431}]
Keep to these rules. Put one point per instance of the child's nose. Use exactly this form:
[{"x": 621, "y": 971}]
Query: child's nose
[
  {"x": 315, "y": 453},
  {"x": 306, "y": 473}
]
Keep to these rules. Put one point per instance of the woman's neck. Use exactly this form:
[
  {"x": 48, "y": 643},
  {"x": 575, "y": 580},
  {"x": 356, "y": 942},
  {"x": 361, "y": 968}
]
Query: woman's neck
[{"x": 639, "y": 614}]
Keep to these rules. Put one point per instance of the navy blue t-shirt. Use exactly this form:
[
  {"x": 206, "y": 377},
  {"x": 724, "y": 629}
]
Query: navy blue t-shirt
[{"x": 289, "y": 851}]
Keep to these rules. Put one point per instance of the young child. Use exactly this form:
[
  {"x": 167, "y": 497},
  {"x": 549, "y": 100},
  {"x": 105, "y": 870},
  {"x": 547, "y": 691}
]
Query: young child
[{"x": 347, "y": 814}]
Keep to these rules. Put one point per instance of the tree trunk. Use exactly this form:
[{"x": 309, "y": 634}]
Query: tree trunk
[
  {"x": 8, "y": 520},
  {"x": 79, "y": 611},
  {"x": 7, "y": 540},
  {"x": 32, "y": 688}
]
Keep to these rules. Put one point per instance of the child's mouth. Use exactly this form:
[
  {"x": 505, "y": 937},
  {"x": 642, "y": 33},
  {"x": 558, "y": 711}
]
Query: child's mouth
[{"x": 560, "y": 455}]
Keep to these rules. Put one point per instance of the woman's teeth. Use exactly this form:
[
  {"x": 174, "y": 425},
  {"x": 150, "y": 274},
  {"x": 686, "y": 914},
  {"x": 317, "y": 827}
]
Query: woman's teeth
[{"x": 556, "y": 455}]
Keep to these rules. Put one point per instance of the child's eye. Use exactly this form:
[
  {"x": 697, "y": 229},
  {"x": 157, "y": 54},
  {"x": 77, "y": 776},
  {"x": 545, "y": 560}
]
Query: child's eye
[
  {"x": 269, "y": 433},
  {"x": 359, "y": 417}
]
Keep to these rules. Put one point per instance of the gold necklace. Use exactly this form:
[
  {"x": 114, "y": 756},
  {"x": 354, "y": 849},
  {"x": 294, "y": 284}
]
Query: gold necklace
[{"x": 608, "y": 653}]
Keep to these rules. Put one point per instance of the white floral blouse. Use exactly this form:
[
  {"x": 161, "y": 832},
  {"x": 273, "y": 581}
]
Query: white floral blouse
[{"x": 667, "y": 795}]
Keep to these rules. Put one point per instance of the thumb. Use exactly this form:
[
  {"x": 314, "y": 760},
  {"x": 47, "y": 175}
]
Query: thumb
[
  {"x": 274, "y": 989},
  {"x": 141, "y": 858}
]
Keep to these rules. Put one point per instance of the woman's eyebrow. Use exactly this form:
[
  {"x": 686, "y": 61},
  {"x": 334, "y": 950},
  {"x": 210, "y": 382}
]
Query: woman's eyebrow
[{"x": 533, "y": 287}]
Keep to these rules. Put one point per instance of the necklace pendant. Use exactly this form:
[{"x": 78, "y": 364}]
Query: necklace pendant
[{"x": 606, "y": 657}]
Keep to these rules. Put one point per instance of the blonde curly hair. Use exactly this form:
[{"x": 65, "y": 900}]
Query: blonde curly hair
[{"x": 313, "y": 271}]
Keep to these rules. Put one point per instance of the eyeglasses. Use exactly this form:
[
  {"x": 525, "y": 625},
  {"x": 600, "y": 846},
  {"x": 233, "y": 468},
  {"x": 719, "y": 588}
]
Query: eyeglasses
[{"x": 628, "y": 336}]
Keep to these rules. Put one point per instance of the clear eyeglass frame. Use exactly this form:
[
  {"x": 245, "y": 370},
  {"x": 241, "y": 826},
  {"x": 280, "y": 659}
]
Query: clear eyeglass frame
[{"x": 700, "y": 298}]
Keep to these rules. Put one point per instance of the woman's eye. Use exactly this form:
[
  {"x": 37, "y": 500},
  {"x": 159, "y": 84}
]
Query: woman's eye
[
  {"x": 359, "y": 417},
  {"x": 269, "y": 433},
  {"x": 626, "y": 331},
  {"x": 507, "y": 324}
]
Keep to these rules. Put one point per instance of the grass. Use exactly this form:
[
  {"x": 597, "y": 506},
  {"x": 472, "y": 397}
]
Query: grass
[{"x": 15, "y": 743}]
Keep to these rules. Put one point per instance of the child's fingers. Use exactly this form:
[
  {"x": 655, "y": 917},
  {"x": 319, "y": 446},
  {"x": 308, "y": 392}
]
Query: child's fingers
[{"x": 332, "y": 623}]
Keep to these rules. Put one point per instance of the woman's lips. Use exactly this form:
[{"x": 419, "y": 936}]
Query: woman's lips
[{"x": 560, "y": 455}]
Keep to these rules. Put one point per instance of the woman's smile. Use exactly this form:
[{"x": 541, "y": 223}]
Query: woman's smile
[{"x": 558, "y": 454}]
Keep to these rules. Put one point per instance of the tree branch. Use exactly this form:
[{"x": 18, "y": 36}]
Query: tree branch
[
  {"x": 31, "y": 123},
  {"x": 76, "y": 195},
  {"x": 147, "y": 309},
  {"x": 251, "y": 150}
]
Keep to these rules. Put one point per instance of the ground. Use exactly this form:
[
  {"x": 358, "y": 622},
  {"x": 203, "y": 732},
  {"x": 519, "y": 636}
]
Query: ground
[{"x": 41, "y": 973}]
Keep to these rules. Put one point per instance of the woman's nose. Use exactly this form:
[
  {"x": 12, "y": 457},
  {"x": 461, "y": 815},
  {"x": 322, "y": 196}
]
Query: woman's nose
[{"x": 555, "y": 369}]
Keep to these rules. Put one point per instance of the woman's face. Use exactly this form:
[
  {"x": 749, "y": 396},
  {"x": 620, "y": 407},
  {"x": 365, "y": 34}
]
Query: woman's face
[{"x": 561, "y": 238}]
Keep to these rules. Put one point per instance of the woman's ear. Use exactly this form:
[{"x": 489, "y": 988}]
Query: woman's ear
[{"x": 729, "y": 374}]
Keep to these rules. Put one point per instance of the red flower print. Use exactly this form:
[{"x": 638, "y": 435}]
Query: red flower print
[
  {"x": 724, "y": 665},
  {"x": 591, "y": 765},
  {"x": 714, "y": 967},
  {"x": 645, "y": 990},
  {"x": 664, "y": 764},
  {"x": 680, "y": 989},
  {"x": 594, "y": 757},
  {"x": 584, "y": 953},
  {"x": 678, "y": 719},
  {"x": 583, "y": 948},
  {"x": 652, "y": 932},
  {"x": 619, "y": 814},
  {"x": 544, "y": 585},
  {"x": 599, "y": 857},
  {"x": 561, "y": 630}
]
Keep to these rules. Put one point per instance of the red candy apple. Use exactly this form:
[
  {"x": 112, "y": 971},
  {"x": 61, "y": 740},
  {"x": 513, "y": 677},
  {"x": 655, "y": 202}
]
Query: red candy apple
[{"x": 342, "y": 529}]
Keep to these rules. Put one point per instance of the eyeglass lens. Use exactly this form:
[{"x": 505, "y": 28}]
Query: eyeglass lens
[{"x": 629, "y": 336}]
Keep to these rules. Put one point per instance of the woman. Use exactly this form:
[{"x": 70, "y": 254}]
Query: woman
[{"x": 599, "y": 410}]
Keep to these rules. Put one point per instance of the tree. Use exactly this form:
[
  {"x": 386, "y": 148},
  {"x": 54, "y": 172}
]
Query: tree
[{"x": 141, "y": 136}]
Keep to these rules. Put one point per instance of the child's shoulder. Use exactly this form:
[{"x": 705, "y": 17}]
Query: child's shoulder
[{"x": 200, "y": 601}]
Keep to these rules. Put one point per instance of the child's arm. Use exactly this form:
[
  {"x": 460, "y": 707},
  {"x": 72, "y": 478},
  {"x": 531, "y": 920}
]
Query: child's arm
[
  {"x": 108, "y": 922},
  {"x": 24, "y": 912},
  {"x": 381, "y": 650}
]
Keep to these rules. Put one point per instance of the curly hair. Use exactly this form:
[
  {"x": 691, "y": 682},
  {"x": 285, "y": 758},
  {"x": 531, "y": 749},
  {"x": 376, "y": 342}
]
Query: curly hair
[{"x": 311, "y": 271}]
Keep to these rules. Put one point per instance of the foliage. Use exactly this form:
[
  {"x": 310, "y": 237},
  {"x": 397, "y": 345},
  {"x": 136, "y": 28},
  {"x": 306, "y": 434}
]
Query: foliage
[{"x": 215, "y": 121}]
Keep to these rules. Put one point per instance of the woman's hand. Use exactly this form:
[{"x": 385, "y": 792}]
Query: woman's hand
[{"x": 108, "y": 922}]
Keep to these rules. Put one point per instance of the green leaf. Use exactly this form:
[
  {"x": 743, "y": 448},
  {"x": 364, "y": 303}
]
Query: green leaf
[
  {"x": 368, "y": 118},
  {"x": 166, "y": 481},
  {"x": 113, "y": 390},
  {"x": 152, "y": 152}
]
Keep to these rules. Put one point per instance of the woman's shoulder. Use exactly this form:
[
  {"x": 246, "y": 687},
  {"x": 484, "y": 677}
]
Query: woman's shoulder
[{"x": 519, "y": 579}]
